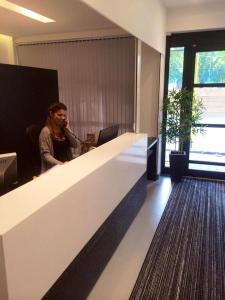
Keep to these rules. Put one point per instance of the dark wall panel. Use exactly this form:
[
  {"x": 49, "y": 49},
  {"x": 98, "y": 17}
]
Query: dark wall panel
[{"x": 25, "y": 94}]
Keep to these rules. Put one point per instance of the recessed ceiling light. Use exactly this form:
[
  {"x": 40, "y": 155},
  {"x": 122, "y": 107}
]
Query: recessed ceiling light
[{"x": 23, "y": 11}]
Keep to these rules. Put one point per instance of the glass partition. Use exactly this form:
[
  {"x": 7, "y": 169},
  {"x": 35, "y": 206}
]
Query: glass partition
[
  {"x": 176, "y": 63},
  {"x": 214, "y": 102},
  {"x": 209, "y": 67}
]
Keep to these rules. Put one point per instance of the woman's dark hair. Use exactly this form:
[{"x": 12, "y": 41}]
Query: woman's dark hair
[{"x": 54, "y": 107}]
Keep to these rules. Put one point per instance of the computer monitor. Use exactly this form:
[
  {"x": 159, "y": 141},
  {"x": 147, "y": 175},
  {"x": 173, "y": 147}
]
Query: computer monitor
[
  {"x": 107, "y": 134},
  {"x": 8, "y": 172}
]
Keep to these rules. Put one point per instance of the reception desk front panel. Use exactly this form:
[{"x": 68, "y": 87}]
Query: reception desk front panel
[{"x": 45, "y": 223}]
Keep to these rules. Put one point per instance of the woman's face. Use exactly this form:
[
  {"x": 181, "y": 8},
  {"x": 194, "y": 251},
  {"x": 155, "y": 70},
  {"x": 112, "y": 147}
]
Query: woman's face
[{"x": 59, "y": 117}]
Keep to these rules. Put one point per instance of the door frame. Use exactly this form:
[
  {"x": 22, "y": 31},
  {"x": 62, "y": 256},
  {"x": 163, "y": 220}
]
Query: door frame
[{"x": 192, "y": 43}]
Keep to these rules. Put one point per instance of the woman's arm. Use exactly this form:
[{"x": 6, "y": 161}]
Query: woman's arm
[
  {"x": 46, "y": 148},
  {"x": 72, "y": 138}
]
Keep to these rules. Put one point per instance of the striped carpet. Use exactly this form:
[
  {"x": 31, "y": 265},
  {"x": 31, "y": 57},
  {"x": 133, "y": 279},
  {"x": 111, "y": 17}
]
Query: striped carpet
[{"x": 186, "y": 259}]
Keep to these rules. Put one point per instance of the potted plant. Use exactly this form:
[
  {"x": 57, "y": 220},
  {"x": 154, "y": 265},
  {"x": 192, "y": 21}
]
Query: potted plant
[{"x": 181, "y": 109}]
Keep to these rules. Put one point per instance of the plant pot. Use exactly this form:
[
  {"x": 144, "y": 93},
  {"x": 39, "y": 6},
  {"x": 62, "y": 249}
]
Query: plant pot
[{"x": 177, "y": 165}]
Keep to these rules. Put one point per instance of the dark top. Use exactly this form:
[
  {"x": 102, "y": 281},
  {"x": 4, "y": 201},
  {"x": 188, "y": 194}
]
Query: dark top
[{"x": 61, "y": 149}]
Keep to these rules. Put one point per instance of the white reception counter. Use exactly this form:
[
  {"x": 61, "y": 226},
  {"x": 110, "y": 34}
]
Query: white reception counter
[{"x": 45, "y": 223}]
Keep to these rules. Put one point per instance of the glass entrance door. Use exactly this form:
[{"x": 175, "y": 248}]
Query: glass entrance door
[{"x": 207, "y": 151}]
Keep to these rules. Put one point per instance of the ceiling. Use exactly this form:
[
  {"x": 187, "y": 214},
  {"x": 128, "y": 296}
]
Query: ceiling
[
  {"x": 70, "y": 16},
  {"x": 178, "y": 3}
]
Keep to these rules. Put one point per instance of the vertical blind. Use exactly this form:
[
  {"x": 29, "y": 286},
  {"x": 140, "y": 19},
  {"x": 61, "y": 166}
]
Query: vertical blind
[{"x": 96, "y": 80}]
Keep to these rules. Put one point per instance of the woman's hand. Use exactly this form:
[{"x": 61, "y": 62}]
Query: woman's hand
[{"x": 66, "y": 123}]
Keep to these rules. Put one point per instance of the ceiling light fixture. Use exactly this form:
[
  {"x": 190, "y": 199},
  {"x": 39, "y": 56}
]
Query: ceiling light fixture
[{"x": 24, "y": 11}]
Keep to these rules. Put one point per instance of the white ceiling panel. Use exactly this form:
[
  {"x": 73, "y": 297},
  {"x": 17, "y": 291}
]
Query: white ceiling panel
[
  {"x": 70, "y": 16},
  {"x": 178, "y": 3}
]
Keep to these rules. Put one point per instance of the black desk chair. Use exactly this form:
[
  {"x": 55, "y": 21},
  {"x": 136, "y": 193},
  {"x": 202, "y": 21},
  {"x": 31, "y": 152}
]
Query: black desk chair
[{"x": 33, "y": 131}]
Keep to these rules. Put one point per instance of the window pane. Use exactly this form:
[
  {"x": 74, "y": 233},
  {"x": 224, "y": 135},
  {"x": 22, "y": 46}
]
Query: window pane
[
  {"x": 207, "y": 168},
  {"x": 176, "y": 63},
  {"x": 214, "y": 102},
  {"x": 169, "y": 148},
  {"x": 210, "y": 67},
  {"x": 176, "y": 68},
  {"x": 209, "y": 147}
]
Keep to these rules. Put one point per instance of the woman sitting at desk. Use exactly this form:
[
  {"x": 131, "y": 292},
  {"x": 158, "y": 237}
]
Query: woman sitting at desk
[{"x": 56, "y": 139}]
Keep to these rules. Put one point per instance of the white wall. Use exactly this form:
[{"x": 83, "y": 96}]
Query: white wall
[
  {"x": 196, "y": 17},
  {"x": 150, "y": 83},
  {"x": 144, "y": 19},
  {"x": 148, "y": 86},
  {"x": 6, "y": 49}
]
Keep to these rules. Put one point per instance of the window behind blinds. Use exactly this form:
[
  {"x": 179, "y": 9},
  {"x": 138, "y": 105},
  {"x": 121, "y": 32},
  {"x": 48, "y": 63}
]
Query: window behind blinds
[{"x": 96, "y": 80}]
